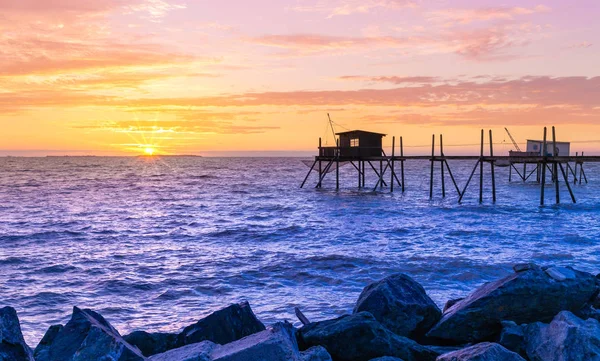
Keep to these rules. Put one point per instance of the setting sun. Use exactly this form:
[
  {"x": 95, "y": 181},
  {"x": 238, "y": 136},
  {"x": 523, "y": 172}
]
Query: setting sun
[{"x": 149, "y": 151}]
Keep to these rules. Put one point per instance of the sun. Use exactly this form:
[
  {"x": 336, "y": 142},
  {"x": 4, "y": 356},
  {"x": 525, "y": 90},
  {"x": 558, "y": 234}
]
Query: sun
[{"x": 149, "y": 151}]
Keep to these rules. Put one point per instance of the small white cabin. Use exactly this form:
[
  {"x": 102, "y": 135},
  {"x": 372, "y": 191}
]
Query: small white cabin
[{"x": 562, "y": 148}]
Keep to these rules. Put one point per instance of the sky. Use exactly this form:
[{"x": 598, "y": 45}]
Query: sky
[{"x": 118, "y": 77}]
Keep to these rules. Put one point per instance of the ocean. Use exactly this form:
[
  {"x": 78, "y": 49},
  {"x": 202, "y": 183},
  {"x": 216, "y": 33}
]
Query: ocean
[{"x": 157, "y": 243}]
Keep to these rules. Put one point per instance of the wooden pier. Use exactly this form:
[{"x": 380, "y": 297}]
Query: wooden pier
[{"x": 364, "y": 151}]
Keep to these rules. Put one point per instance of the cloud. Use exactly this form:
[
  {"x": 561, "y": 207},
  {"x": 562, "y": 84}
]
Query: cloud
[
  {"x": 187, "y": 122},
  {"x": 349, "y": 7},
  {"x": 488, "y": 44},
  {"x": 467, "y": 16},
  {"x": 393, "y": 79},
  {"x": 581, "y": 45}
]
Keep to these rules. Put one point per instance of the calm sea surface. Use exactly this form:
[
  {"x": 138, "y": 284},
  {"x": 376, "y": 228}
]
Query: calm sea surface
[{"x": 156, "y": 244}]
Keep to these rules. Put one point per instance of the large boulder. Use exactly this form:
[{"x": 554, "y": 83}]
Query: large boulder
[
  {"x": 222, "y": 327},
  {"x": 201, "y": 351},
  {"x": 360, "y": 337},
  {"x": 566, "y": 338},
  {"x": 400, "y": 304},
  {"x": 482, "y": 352},
  {"x": 12, "y": 344},
  {"x": 88, "y": 336},
  {"x": 315, "y": 353},
  {"x": 43, "y": 348},
  {"x": 527, "y": 296},
  {"x": 152, "y": 343},
  {"x": 276, "y": 344}
]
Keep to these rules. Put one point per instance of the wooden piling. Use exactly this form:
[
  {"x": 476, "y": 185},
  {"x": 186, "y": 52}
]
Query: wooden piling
[
  {"x": 337, "y": 165},
  {"x": 431, "y": 161},
  {"x": 492, "y": 168},
  {"x": 555, "y": 166},
  {"x": 392, "y": 160},
  {"x": 543, "y": 177},
  {"x": 402, "y": 163},
  {"x": 442, "y": 166},
  {"x": 481, "y": 170}
]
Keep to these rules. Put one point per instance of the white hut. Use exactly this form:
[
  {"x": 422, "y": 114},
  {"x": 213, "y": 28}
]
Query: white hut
[{"x": 535, "y": 146}]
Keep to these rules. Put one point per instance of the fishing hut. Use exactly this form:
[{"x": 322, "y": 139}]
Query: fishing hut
[{"x": 364, "y": 150}]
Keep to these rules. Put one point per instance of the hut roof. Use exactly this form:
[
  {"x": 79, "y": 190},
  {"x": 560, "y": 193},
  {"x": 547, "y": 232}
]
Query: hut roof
[{"x": 360, "y": 131}]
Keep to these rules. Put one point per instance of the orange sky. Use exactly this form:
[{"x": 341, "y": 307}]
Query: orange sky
[{"x": 113, "y": 77}]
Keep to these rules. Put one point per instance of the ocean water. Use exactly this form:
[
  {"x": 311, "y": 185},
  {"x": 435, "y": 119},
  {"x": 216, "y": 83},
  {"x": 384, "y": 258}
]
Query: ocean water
[{"x": 158, "y": 243}]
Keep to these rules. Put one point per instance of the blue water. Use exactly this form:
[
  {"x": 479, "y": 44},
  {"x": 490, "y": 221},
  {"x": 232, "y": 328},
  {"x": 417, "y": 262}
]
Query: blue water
[{"x": 156, "y": 244}]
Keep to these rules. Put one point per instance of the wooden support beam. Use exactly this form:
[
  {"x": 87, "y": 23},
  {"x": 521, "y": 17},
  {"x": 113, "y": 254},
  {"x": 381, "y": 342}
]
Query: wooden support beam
[
  {"x": 555, "y": 166},
  {"x": 327, "y": 167},
  {"x": 543, "y": 165},
  {"x": 337, "y": 165},
  {"x": 402, "y": 163},
  {"x": 442, "y": 163},
  {"x": 567, "y": 182},
  {"x": 481, "y": 170},
  {"x": 492, "y": 168},
  {"x": 308, "y": 174},
  {"x": 462, "y": 194},
  {"x": 431, "y": 161},
  {"x": 392, "y": 161},
  {"x": 452, "y": 177}
]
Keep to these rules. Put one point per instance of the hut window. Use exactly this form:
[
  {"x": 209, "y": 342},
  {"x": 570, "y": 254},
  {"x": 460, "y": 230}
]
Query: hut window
[{"x": 354, "y": 142}]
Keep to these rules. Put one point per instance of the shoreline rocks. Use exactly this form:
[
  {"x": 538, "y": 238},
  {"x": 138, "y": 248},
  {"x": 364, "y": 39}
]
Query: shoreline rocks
[
  {"x": 12, "y": 343},
  {"x": 530, "y": 295},
  {"x": 401, "y": 305},
  {"x": 535, "y": 314}
]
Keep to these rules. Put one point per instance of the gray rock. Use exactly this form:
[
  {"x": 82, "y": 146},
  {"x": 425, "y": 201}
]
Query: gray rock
[
  {"x": 195, "y": 352},
  {"x": 316, "y": 353},
  {"x": 512, "y": 337},
  {"x": 152, "y": 343},
  {"x": 521, "y": 267},
  {"x": 88, "y": 336},
  {"x": 360, "y": 337},
  {"x": 275, "y": 344},
  {"x": 482, "y": 352},
  {"x": 42, "y": 349},
  {"x": 528, "y": 296},
  {"x": 222, "y": 327},
  {"x": 451, "y": 303},
  {"x": 400, "y": 304},
  {"x": 566, "y": 338},
  {"x": 12, "y": 344},
  {"x": 588, "y": 312}
]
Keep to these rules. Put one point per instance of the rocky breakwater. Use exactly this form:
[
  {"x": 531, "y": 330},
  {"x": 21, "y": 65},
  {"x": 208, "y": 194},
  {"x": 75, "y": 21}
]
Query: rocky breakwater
[{"x": 536, "y": 314}]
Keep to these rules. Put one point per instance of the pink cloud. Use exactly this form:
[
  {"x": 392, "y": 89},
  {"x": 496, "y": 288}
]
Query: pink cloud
[
  {"x": 349, "y": 7},
  {"x": 467, "y": 16}
]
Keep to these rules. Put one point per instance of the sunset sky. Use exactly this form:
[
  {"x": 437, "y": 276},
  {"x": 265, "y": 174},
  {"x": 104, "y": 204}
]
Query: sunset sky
[{"x": 114, "y": 77}]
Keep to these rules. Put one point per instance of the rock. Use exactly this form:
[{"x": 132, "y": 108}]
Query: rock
[
  {"x": 195, "y": 352},
  {"x": 482, "y": 352},
  {"x": 42, "y": 349},
  {"x": 400, "y": 304},
  {"x": 275, "y": 344},
  {"x": 524, "y": 297},
  {"x": 566, "y": 338},
  {"x": 596, "y": 302},
  {"x": 12, "y": 344},
  {"x": 451, "y": 303},
  {"x": 222, "y": 327},
  {"x": 588, "y": 312},
  {"x": 360, "y": 337},
  {"x": 522, "y": 267},
  {"x": 316, "y": 353},
  {"x": 88, "y": 336},
  {"x": 512, "y": 337},
  {"x": 152, "y": 343}
]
